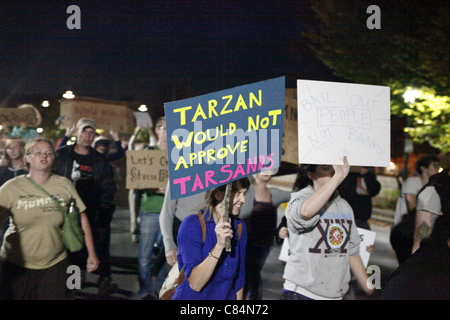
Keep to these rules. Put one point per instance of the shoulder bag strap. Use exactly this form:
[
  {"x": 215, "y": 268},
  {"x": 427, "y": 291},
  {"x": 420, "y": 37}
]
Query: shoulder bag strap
[
  {"x": 201, "y": 217},
  {"x": 38, "y": 186}
]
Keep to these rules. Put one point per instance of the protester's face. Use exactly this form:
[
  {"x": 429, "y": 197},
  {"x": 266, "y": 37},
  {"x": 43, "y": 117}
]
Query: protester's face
[
  {"x": 15, "y": 151},
  {"x": 102, "y": 148},
  {"x": 433, "y": 168},
  {"x": 160, "y": 131},
  {"x": 41, "y": 157},
  {"x": 238, "y": 199},
  {"x": 264, "y": 176},
  {"x": 322, "y": 174},
  {"x": 85, "y": 137}
]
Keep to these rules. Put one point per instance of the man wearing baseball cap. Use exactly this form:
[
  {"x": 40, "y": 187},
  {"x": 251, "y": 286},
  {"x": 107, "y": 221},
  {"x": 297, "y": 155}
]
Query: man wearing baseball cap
[{"x": 93, "y": 178}]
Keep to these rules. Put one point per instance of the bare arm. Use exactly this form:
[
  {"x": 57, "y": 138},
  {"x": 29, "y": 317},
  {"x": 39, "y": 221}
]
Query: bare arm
[
  {"x": 424, "y": 225},
  {"x": 92, "y": 261},
  {"x": 357, "y": 267},
  {"x": 411, "y": 202},
  {"x": 240, "y": 294},
  {"x": 319, "y": 198}
]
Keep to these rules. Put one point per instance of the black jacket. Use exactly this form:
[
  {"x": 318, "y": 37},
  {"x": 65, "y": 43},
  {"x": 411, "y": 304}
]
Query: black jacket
[
  {"x": 361, "y": 204},
  {"x": 100, "y": 212}
]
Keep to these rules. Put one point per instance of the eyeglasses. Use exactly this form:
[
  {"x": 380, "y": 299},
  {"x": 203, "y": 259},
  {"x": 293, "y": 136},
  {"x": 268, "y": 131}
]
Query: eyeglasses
[
  {"x": 161, "y": 128},
  {"x": 39, "y": 153}
]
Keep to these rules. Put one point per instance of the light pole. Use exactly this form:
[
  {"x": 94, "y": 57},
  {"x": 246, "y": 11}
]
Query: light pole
[{"x": 410, "y": 96}]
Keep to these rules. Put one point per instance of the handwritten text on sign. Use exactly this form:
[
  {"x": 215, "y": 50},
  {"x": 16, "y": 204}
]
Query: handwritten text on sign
[
  {"x": 146, "y": 169},
  {"x": 343, "y": 119},
  {"x": 221, "y": 137}
]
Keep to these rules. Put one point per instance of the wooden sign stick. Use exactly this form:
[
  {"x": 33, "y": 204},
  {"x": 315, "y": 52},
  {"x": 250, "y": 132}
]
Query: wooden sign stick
[{"x": 226, "y": 216}]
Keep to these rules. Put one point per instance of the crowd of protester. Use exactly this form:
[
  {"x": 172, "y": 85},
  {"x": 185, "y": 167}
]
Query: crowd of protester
[{"x": 323, "y": 210}]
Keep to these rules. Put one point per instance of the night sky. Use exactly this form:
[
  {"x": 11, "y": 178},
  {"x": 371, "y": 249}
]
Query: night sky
[{"x": 131, "y": 48}]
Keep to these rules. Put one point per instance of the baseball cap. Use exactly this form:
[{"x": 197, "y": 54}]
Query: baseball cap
[
  {"x": 100, "y": 140},
  {"x": 86, "y": 122}
]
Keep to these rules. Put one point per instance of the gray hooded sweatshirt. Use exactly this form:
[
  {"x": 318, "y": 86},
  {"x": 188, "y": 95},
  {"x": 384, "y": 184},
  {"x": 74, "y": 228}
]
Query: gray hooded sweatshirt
[{"x": 318, "y": 265}]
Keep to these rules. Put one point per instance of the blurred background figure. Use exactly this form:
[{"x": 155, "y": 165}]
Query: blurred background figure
[
  {"x": 402, "y": 233},
  {"x": 141, "y": 139},
  {"x": 259, "y": 213},
  {"x": 11, "y": 166},
  {"x": 358, "y": 188}
]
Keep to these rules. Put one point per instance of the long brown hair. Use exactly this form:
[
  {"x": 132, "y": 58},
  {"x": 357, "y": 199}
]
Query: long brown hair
[{"x": 210, "y": 197}]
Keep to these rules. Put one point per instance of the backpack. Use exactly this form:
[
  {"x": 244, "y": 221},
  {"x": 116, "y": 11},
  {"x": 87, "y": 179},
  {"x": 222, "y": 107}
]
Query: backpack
[
  {"x": 441, "y": 183},
  {"x": 175, "y": 276}
]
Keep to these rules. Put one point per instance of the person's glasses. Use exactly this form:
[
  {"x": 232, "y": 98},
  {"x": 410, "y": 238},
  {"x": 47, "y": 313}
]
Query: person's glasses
[
  {"x": 39, "y": 153},
  {"x": 161, "y": 128}
]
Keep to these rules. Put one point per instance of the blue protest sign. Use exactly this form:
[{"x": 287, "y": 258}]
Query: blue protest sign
[{"x": 220, "y": 137}]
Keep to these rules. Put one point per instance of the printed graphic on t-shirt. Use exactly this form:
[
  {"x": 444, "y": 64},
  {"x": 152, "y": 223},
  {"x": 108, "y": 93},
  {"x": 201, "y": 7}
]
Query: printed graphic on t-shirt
[
  {"x": 335, "y": 235},
  {"x": 81, "y": 171}
]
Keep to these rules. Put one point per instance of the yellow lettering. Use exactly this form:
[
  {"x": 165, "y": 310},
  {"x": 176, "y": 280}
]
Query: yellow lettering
[
  {"x": 244, "y": 146},
  {"x": 240, "y": 103},
  {"x": 254, "y": 99},
  {"x": 192, "y": 157},
  {"x": 224, "y": 109},
  {"x": 181, "y": 161},
  {"x": 210, "y": 155},
  {"x": 252, "y": 124},
  {"x": 186, "y": 143},
  {"x": 182, "y": 114},
  {"x": 200, "y": 137},
  {"x": 212, "y": 104},
  {"x": 275, "y": 114},
  {"x": 199, "y": 112},
  {"x": 233, "y": 150}
]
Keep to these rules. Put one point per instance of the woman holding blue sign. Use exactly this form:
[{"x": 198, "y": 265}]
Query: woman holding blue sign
[
  {"x": 323, "y": 238},
  {"x": 212, "y": 273}
]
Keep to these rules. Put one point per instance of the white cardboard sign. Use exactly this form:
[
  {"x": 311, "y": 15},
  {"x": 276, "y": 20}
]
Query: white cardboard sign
[
  {"x": 367, "y": 239},
  {"x": 338, "y": 119}
]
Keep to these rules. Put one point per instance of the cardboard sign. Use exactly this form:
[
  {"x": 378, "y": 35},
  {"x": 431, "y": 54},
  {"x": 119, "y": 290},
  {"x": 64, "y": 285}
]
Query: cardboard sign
[
  {"x": 290, "y": 136},
  {"x": 107, "y": 114},
  {"x": 224, "y": 136},
  {"x": 367, "y": 239},
  {"x": 146, "y": 169},
  {"x": 143, "y": 120},
  {"x": 285, "y": 251},
  {"x": 343, "y": 119},
  {"x": 23, "y": 115}
]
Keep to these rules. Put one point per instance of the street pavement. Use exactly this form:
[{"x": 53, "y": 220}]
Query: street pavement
[{"x": 124, "y": 262}]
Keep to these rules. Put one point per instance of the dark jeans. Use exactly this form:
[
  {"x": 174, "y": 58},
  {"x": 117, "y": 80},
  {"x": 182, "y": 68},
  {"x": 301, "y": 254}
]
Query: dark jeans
[
  {"x": 19, "y": 283},
  {"x": 254, "y": 262},
  {"x": 290, "y": 295}
]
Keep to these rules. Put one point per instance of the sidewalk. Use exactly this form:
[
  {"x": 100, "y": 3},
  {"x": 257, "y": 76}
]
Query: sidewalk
[{"x": 124, "y": 255}]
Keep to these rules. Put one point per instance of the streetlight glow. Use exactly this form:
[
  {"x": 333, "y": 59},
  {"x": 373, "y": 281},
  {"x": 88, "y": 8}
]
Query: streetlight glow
[
  {"x": 143, "y": 108},
  {"x": 68, "y": 95},
  {"x": 411, "y": 95},
  {"x": 45, "y": 104}
]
